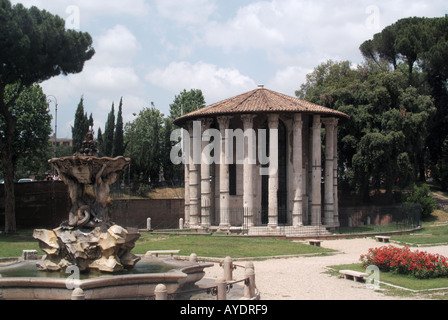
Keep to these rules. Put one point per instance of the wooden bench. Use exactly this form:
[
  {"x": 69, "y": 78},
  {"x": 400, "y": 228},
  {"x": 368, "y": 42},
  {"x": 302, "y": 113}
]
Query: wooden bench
[
  {"x": 164, "y": 252},
  {"x": 315, "y": 242},
  {"x": 354, "y": 275},
  {"x": 382, "y": 238}
]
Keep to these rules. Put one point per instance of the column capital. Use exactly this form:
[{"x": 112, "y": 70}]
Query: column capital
[
  {"x": 317, "y": 123},
  {"x": 188, "y": 126},
  {"x": 206, "y": 123},
  {"x": 298, "y": 122},
  {"x": 273, "y": 120},
  {"x": 330, "y": 122},
  {"x": 248, "y": 119},
  {"x": 224, "y": 122}
]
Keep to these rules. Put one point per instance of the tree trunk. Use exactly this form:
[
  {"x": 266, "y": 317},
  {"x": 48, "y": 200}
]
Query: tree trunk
[
  {"x": 10, "y": 203},
  {"x": 8, "y": 163}
]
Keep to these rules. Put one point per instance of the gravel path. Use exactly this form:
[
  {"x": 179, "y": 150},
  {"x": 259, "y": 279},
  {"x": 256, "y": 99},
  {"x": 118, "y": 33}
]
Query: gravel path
[{"x": 304, "y": 278}]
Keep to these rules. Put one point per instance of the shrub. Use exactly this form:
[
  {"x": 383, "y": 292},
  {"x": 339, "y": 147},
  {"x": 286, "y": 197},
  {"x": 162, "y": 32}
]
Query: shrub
[
  {"x": 421, "y": 265},
  {"x": 422, "y": 196}
]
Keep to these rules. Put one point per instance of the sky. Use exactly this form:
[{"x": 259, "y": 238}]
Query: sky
[{"x": 151, "y": 50}]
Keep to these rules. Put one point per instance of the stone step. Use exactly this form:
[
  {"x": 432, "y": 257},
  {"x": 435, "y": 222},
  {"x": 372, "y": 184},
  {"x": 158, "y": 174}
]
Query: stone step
[{"x": 289, "y": 231}]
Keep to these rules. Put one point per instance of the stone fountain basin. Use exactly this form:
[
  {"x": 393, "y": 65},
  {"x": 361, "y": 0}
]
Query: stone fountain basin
[
  {"x": 84, "y": 169},
  {"x": 121, "y": 286}
]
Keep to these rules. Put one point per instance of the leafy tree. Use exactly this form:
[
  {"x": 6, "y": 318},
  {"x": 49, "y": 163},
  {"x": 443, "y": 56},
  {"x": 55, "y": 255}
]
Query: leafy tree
[
  {"x": 420, "y": 44},
  {"x": 378, "y": 146},
  {"x": 144, "y": 140},
  {"x": 422, "y": 196},
  {"x": 108, "y": 137},
  {"x": 118, "y": 148},
  {"x": 186, "y": 102},
  {"x": 31, "y": 145},
  {"x": 35, "y": 46}
]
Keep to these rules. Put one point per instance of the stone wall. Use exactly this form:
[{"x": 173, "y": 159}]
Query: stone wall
[
  {"x": 47, "y": 204},
  {"x": 38, "y": 204}
]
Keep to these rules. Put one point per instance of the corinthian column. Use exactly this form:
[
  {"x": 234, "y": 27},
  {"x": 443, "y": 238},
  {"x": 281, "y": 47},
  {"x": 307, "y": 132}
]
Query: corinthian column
[
  {"x": 224, "y": 189},
  {"x": 248, "y": 178},
  {"x": 297, "y": 211},
  {"x": 335, "y": 177},
  {"x": 195, "y": 167},
  {"x": 316, "y": 203},
  {"x": 205, "y": 175},
  {"x": 329, "y": 173},
  {"x": 273, "y": 170}
]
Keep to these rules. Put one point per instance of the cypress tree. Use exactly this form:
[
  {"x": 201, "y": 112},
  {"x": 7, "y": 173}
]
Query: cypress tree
[
  {"x": 118, "y": 149},
  {"x": 80, "y": 127},
  {"x": 108, "y": 137}
]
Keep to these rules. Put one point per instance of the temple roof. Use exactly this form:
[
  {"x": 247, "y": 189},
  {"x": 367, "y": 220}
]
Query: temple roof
[{"x": 260, "y": 100}]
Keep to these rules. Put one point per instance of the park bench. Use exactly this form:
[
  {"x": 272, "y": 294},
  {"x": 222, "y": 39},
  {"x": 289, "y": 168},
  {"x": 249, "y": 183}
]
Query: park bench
[
  {"x": 29, "y": 255},
  {"x": 354, "y": 275},
  {"x": 162, "y": 252},
  {"x": 382, "y": 238},
  {"x": 315, "y": 242}
]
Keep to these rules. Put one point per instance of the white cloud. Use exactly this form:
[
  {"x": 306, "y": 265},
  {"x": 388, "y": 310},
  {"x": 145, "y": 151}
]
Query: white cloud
[
  {"x": 116, "y": 47},
  {"x": 216, "y": 83},
  {"x": 108, "y": 76},
  {"x": 89, "y": 8},
  {"x": 186, "y": 12},
  {"x": 288, "y": 80}
]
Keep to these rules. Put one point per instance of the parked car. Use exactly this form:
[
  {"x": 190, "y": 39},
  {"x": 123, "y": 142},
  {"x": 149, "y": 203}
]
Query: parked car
[{"x": 26, "y": 180}]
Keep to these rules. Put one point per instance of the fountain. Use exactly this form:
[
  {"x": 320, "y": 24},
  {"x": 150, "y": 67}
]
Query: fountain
[{"x": 88, "y": 243}]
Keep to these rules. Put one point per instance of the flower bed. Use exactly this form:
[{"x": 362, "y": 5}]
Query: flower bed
[{"x": 421, "y": 265}]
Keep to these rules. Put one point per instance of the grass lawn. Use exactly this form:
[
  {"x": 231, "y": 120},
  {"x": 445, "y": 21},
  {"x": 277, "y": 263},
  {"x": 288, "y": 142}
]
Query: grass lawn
[
  {"x": 405, "y": 281},
  {"x": 205, "y": 246},
  {"x": 13, "y": 245},
  {"x": 428, "y": 235},
  {"x": 221, "y": 247}
]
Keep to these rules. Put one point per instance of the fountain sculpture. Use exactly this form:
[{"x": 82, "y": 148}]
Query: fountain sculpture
[
  {"x": 88, "y": 239},
  {"x": 90, "y": 243}
]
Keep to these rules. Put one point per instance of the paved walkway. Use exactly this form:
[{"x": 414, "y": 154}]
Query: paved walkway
[{"x": 305, "y": 278}]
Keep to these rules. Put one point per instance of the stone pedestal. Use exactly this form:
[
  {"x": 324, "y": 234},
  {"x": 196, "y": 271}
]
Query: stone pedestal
[{"x": 105, "y": 248}]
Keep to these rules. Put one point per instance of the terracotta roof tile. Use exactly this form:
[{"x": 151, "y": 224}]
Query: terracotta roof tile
[{"x": 260, "y": 100}]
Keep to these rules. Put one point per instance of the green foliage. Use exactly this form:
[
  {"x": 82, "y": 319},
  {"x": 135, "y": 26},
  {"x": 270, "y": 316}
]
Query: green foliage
[
  {"x": 36, "y": 46},
  {"x": 81, "y": 126},
  {"x": 422, "y": 196},
  {"x": 186, "y": 102},
  {"x": 31, "y": 146},
  {"x": 118, "y": 145},
  {"x": 418, "y": 47},
  {"x": 108, "y": 136},
  {"x": 378, "y": 146},
  {"x": 144, "y": 140}
]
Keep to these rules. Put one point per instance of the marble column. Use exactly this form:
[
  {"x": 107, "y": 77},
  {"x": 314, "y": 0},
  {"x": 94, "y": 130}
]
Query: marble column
[
  {"x": 273, "y": 120},
  {"x": 297, "y": 211},
  {"x": 316, "y": 202},
  {"x": 187, "y": 195},
  {"x": 335, "y": 176},
  {"x": 248, "y": 168},
  {"x": 224, "y": 189},
  {"x": 329, "y": 171},
  {"x": 195, "y": 167},
  {"x": 205, "y": 175}
]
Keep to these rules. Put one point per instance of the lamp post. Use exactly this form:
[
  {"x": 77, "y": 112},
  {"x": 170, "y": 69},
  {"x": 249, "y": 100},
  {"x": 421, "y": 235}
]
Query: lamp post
[{"x": 53, "y": 99}]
